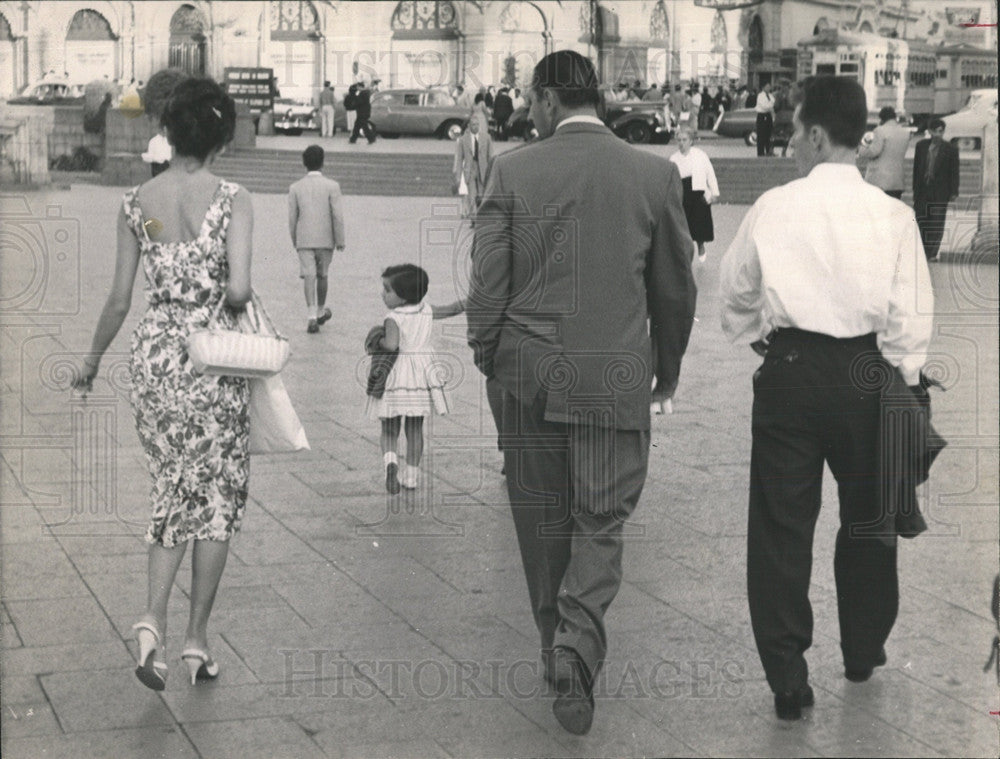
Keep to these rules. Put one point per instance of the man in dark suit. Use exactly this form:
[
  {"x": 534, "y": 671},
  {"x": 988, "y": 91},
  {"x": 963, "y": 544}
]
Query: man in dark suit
[
  {"x": 562, "y": 286},
  {"x": 935, "y": 185},
  {"x": 503, "y": 107},
  {"x": 363, "y": 108}
]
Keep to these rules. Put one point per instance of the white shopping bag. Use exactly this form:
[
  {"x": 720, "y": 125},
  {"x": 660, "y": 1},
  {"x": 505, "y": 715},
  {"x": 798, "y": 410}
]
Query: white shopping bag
[
  {"x": 463, "y": 188},
  {"x": 274, "y": 425}
]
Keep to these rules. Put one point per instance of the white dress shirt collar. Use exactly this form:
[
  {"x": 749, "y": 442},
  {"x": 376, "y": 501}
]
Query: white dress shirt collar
[{"x": 579, "y": 119}]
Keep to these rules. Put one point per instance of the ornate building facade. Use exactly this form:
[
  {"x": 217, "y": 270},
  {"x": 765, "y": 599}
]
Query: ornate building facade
[{"x": 427, "y": 42}]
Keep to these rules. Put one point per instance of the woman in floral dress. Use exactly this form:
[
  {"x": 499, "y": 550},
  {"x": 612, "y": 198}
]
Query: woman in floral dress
[{"x": 191, "y": 232}]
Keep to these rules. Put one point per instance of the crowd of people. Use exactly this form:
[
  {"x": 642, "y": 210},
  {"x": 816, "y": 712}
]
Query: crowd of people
[{"x": 823, "y": 273}]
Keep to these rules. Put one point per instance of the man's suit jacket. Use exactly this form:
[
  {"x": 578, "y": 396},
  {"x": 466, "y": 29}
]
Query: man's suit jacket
[
  {"x": 315, "y": 216},
  {"x": 944, "y": 185},
  {"x": 886, "y": 156},
  {"x": 570, "y": 258},
  {"x": 474, "y": 170}
]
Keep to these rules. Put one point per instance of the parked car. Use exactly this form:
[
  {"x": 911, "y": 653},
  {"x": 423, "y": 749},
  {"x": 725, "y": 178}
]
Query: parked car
[
  {"x": 742, "y": 122},
  {"x": 964, "y": 129},
  {"x": 638, "y": 121},
  {"x": 294, "y": 116},
  {"x": 416, "y": 111},
  {"x": 49, "y": 93},
  {"x": 635, "y": 122}
]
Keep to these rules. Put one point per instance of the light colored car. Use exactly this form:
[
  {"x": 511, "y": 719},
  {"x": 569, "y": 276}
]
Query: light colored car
[
  {"x": 293, "y": 116},
  {"x": 964, "y": 129},
  {"x": 415, "y": 111},
  {"x": 49, "y": 92}
]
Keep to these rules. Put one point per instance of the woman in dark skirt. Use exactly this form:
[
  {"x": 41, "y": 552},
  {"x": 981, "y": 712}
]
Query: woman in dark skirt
[{"x": 700, "y": 189}]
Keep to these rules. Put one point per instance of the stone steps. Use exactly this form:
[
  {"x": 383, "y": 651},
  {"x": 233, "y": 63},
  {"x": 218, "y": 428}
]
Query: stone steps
[{"x": 741, "y": 180}]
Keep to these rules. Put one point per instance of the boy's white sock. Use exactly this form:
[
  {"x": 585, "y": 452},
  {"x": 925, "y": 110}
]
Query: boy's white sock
[
  {"x": 390, "y": 457},
  {"x": 410, "y": 476}
]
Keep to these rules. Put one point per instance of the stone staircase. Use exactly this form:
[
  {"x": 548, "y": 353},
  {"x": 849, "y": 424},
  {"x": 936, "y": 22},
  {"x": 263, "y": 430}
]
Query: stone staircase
[{"x": 741, "y": 180}]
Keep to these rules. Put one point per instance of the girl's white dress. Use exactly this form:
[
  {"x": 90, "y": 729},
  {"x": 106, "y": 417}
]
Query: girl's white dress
[{"x": 415, "y": 386}]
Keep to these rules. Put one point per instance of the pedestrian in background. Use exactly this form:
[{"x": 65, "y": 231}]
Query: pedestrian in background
[
  {"x": 363, "y": 110},
  {"x": 327, "y": 103},
  {"x": 830, "y": 269},
  {"x": 701, "y": 189},
  {"x": 935, "y": 185},
  {"x": 764, "y": 106},
  {"x": 316, "y": 224},
  {"x": 473, "y": 153},
  {"x": 192, "y": 233},
  {"x": 350, "y": 106},
  {"x": 885, "y": 153}
]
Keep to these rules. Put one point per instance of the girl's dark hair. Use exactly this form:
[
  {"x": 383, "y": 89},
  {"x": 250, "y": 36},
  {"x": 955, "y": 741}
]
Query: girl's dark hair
[
  {"x": 200, "y": 118},
  {"x": 408, "y": 281}
]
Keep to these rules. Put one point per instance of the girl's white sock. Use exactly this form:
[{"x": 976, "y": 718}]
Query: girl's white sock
[{"x": 390, "y": 457}]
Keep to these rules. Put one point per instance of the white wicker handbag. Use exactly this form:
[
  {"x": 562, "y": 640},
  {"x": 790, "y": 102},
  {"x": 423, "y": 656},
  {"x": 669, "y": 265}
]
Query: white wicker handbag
[{"x": 254, "y": 349}]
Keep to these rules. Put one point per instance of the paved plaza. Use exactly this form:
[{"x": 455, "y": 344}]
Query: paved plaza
[{"x": 352, "y": 624}]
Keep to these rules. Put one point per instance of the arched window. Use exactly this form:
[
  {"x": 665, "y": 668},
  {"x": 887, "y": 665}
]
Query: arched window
[
  {"x": 187, "y": 40},
  {"x": 294, "y": 19},
  {"x": 90, "y": 26},
  {"x": 823, "y": 25},
  {"x": 866, "y": 27},
  {"x": 659, "y": 24},
  {"x": 425, "y": 20},
  {"x": 755, "y": 40}
]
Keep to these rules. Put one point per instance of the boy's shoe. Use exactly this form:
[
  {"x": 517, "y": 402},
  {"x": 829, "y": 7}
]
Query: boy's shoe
[
  {"x": 324, "y": 317},
  {"x": 313, "y": 327},
  {"x": 391, "y": 478}
]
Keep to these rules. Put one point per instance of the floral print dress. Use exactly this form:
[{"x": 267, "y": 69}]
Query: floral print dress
[{"x": 194, "y": 427}]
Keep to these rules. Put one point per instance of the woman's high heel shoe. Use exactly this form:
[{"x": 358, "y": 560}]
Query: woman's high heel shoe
[
  {"x": 201, "y": 666},
  {"x": 151, "y": 673}
]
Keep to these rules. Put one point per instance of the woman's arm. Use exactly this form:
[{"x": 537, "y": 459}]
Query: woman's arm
[
  {"x": 239, "y": 244},
  {"x": 452, "y": 309},
  {"x": 391, "y": 340},
  {"x": 116, "y": 307}
]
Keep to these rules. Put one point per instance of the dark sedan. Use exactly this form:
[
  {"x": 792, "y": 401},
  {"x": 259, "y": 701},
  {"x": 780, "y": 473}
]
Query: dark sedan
[{"x": 634, "y": 122}]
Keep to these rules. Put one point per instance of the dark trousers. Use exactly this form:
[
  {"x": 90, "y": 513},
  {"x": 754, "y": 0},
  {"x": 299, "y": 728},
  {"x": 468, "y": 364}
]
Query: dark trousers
[
  {"x": 494, "y": 397},
  {"x": 897, "y": 194},
  {"x": 811, "y": 406},
  {"x": 930, "y": 219},
  {"x": 571, "y": 487},
  {"x": 159, "y": 168},
  {"x": 765, "y": 127},
  {"x": 362, "y": 125}
]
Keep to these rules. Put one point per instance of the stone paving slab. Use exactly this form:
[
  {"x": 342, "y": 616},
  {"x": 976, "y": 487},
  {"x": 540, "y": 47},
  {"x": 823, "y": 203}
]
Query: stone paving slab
[{"x": 417, "y": 607}]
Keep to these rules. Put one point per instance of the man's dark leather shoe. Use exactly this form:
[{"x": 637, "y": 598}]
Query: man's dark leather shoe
[
  {"x": 574, "y": 704},
  {"x": 862, "y": 675},
  {"x": 324, "y": 317},
  {"x": 789, "y": 705}
]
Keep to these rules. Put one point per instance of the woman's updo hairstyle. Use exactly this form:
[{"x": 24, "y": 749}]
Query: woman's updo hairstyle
[{"x": 200, "y": 118}]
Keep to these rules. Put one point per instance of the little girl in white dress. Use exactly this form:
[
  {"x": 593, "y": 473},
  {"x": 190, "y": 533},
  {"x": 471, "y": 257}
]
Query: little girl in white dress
[{"x": 414, "y": 387}]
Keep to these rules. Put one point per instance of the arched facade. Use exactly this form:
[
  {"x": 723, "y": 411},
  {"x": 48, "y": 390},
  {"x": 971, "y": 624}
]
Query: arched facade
[
  {"x": 295, "y": 46},
  {"x": 188, "y": 40},
  {"x": 428, "y": 43},
  {"x": 91, "y": 47}
]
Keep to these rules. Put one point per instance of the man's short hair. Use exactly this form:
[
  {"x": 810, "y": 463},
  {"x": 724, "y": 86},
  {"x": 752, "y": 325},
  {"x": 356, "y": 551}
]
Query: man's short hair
[
  {"x": 935, "y": 124},
  {"x": 326, "y": 83},
  {"x": 888, "y": 113},
  {"x": 312, "y": 158},
  {"x": 836, "y": 103},
  {"x": 571, "y": 75}
]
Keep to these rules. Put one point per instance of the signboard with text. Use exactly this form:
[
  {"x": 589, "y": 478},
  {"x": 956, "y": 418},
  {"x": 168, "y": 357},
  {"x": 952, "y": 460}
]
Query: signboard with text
[{"x": 252, "y": 86}]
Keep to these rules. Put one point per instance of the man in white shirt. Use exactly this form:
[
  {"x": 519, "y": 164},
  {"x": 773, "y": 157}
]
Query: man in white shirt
[
  {"x": 833, "y": 268},
  {"x": 765, "y": 120}
]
